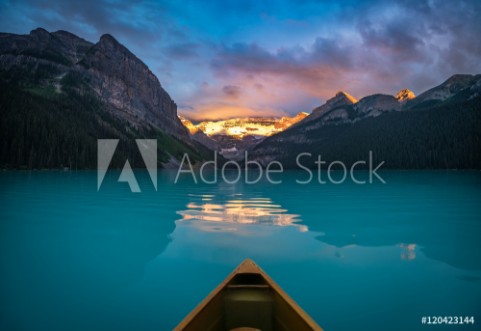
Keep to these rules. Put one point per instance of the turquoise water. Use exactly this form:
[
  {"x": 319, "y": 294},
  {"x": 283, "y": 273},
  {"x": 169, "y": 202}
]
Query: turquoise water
[{"x": 364, "y": 257}]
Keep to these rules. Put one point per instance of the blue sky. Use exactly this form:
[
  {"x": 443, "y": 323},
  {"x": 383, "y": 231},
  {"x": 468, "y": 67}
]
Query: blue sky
[{"x": 220, "y": 59}]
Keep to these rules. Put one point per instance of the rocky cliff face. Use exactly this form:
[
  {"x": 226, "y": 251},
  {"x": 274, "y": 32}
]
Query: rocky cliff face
[
  {"x": 123, "y": 82},
  {"x": 59, "y": 48},
  {"x": 127, "y": 84},
  {"x": 60, "y": 93}
]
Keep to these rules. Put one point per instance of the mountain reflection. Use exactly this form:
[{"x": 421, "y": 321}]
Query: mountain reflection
[{"x": 238, "y": 210}]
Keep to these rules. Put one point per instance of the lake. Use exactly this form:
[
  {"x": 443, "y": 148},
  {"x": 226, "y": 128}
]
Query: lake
[{"x": 364, "y": 257}]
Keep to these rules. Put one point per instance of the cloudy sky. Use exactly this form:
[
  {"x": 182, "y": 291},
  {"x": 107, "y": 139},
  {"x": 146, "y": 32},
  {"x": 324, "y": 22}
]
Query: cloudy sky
[{"x": 223, "y": 58}]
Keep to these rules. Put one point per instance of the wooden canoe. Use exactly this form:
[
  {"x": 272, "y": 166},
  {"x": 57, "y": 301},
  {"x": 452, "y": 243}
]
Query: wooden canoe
[{"x": 248, "y": 299}]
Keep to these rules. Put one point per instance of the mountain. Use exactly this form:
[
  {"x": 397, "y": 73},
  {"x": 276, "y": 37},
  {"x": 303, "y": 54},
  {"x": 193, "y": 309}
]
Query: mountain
[
  {"x": 285, "y": 122},
  {"x": 231, "y": 137},
  {"x": 375, "y": 105},
  {"x": 441, "y": 130},
  {"x": 60, "y": 93},
  {"x": 129, "y": 87},
  {"x": 249, "y": 126},
  {"x": 198, "y": 135},
  {"x": 344, "y": 108},
  {"x": 461, "y": 86},
  {"x": 405, "y": 95},
  {"x": 341, "y": 99},
  {"x": 189, "y": 125}
]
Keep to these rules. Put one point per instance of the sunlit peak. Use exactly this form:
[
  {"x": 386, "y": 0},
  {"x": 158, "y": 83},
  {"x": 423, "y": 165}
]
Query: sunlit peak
[{"x": 347, "y": 96}]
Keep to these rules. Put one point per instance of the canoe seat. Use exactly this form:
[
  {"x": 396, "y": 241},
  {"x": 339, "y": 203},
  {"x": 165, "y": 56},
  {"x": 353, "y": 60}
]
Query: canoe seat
[
  {"x": 249, "y": 306},
  {"x": 248, "y": 286}
]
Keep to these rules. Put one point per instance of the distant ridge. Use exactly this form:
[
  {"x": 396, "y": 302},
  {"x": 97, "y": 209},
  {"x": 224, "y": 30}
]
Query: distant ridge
[
  {"x": 233, "y": 136},
  {"x": 436, "y": 129}
]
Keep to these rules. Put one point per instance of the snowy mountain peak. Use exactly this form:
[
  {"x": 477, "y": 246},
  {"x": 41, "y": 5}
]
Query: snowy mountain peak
[{"x": 246, "y": 126}]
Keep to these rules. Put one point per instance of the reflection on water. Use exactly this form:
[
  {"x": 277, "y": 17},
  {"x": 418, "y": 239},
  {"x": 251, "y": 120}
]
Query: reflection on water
[
  {"x": 237, "y": 210},
  {"x": 77, "y": 259},
  {"x": 408, "y": 251}
]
